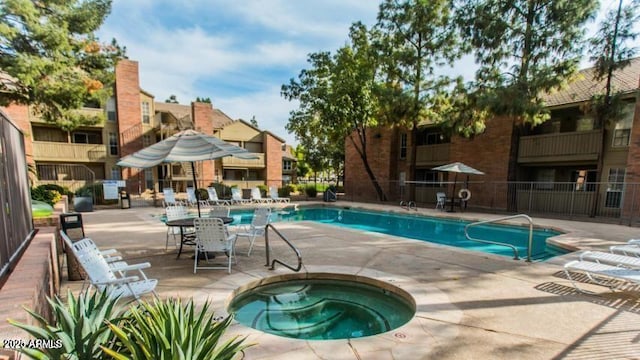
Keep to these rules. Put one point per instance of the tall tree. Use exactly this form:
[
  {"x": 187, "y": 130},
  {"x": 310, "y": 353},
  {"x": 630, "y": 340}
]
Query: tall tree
[
  {"x": 610, "y": 52},
  {"x": 52, "y": 60},
  {"x": 418, "y": 39},
  {"x": 524, "y": 48},
  {"x": 201, "y": 99},
  {"x": 173, "y": 99},
  {"x": 254, "y": 121},
  {"x": 337, "y": 101}
]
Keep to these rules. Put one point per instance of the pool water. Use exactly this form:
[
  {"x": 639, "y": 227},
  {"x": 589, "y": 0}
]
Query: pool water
[
  {"x": 435, "y": 230},
  {"x": 321, "y": 309}
]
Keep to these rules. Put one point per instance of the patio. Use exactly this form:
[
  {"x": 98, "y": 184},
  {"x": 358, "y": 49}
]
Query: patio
[{"x": 470, "y": 305}]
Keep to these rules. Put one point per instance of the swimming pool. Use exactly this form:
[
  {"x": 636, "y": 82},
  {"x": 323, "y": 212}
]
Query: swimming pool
[{"x": 431, "y": 229}]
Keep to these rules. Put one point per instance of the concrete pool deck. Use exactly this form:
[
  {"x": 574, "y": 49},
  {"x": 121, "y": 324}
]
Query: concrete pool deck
[{"x": 470, "y": 305}]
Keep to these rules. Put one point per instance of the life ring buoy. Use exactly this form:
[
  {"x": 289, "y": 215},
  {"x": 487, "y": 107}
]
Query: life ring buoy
[{"x": 464, "y": 194}]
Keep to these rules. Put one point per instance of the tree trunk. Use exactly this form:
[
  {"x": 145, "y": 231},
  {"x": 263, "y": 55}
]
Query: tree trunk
[
  {"x": 512, "y": 172},
  {"x": 374, "y": 182}
]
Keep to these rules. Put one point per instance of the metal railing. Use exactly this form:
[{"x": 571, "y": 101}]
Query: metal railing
[
  {"x": 272, "y": 263},
  {"x": 515, "y": 250}
]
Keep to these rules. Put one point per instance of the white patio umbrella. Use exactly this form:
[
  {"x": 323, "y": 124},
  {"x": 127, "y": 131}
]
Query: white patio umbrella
[
  {"x": 457, "y": 167},
  {"x": 185, "y": 146}
]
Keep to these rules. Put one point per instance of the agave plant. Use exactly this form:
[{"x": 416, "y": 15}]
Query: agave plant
[
  {"x": 165, "y": 329},
  {"x": 80, "y": 327}
]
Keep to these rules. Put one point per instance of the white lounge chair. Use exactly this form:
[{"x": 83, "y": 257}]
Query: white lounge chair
[
  {"x": 256, "y": 197},
  {"x": 213, "y": 197},
  {"x": 596, "y": 271},
  {"x": 628, "y": 250},
  {"x": 260, "y": 220},
  {"x": 273, "y": 195},
  {"x": 192, "y": 200},
  {"x": 106, "y": 279},
  {"x": 169, "y": 198},
  {"x": 611, "y": 259},
  {"x": 236, "y": 197},
  {"x": 211, "y": 236}
]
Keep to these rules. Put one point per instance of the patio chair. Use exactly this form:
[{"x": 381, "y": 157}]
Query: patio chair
[
  {"x": 611, "y": 259},
  {"x": 213, "y": 197},
  {"x": 441, "y": 200},
  {"x": 236, "y": 197},
  {"x": 273, "y": 195},
  {"x": 260, "y": 220},
  {"x": 628, "y": 250},
  {"x": 174, "y": 213},
  {"x": 256, "y": 196},
  {"x": 169, "y": 198},
  {"x": 104, "y": 277},
  {"x": 600, "y": 274},
  {"x": 109, "y": 255},
  {"x": 192, "y": 200},
  {"x": 211, "y": 236}
]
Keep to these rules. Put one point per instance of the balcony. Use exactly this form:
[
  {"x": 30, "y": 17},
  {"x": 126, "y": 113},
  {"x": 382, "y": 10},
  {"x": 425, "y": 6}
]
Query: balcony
[
  {"x": 560, "y": 147},
  {"x": 234, "y": 162},
  {"x": 66, "y": 152},
  {"x": 432, "y": 154}
]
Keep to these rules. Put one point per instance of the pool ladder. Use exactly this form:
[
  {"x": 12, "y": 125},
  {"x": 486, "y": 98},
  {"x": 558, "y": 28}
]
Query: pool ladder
[
  {"x": 515, "y": 250},
  {"x": 272, "y": 263},
  {"x": 408, "y": 205}
]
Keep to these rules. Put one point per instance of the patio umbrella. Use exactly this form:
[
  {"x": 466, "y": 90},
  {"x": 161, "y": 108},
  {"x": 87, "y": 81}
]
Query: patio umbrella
[
  {"x": 457, "y": 167},
  {"x": 185, "y": 146}
]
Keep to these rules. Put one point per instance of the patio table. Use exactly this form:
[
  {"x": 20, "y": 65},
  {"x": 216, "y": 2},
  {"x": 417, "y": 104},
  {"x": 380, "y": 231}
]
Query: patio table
[{"x": 188, "y": 222}]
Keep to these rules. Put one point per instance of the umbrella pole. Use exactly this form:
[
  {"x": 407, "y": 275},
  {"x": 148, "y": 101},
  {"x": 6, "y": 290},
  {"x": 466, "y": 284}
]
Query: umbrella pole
[
  {"x": 453, "y": 193},
  {"x": 195, "y": 186}
]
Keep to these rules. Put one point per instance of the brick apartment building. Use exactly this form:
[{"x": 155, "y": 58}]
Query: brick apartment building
[
  {"x": 134, "y": 120},
  {"x": 556, "y": 162}
]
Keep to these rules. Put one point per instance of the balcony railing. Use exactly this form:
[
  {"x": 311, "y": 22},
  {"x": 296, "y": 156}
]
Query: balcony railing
[
  {"x": 231, "y": 161},
  {"x": 55, "y": 151},
  {"x": 432, "y": 154},
  {"x": 572, "y": 146}
]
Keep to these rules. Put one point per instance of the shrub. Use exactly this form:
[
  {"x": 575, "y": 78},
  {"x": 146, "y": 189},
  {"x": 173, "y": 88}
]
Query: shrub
[
  {"x": 63, "y": 190},
  {"x": 311, "y": 191},
  {"x": 301, "y": 188},
  {"x": 264, "y": 189},
  {"x": 79, "y": 330},
  {"x": 163, "y": 329},
  {"x": 43, "y": 194},
  {"x": 202, "y": 194},
  {"x": 221, "y": 189},
  {"x": 284, "y": 191}
]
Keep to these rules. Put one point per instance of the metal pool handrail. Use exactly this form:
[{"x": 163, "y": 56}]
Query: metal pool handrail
[
  {"x": 515, "y": 250},
  {"x": 268, "y": 252}
]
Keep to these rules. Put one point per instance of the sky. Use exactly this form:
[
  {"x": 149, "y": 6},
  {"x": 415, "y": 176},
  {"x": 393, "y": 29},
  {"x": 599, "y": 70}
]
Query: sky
[{"x": 237, "y": 53}]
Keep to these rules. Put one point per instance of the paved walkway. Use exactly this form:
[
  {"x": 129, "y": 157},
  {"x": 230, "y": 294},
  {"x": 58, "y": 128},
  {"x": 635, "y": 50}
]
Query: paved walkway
[{"x": 469, "y": 305}]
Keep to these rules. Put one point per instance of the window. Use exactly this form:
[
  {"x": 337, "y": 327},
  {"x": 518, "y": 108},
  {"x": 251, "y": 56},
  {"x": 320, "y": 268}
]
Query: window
[
  {"x": 545, "y": 179},
  {"x": 145, "y": 112},
  {"x": 111, "y": 109},
  {"x": 113, "y": 144},
  {"x": 115, "y": 173},
  {"x": 403, "y": 146},
  {"x": 86, "y": 138},
  {"x": 286, "y": 165},
  {"x": 622, "y": 129},
  {"x": 147, "y": 140},
  {"x": 614, "y": 188},
  {"x": 429, "y": 178}
]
